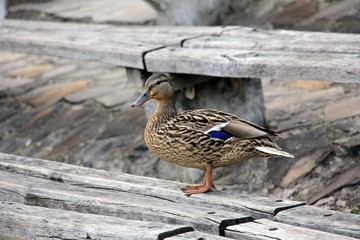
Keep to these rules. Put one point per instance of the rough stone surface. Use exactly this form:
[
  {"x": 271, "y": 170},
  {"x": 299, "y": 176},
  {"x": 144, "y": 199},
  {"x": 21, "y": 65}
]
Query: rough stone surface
[
  {"x": 105, "y": 11},
  {"x": 318, "y": 15}
]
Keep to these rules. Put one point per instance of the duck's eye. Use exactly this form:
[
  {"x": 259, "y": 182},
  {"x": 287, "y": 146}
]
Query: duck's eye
[{"x": 157, "y": 83}]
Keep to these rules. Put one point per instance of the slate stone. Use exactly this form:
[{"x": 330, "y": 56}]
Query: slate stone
[
  {"x": 310, "y": 84},
  {"x": 302, "y": 142},
  {"x": 30, "y": 71},
  {"x": 349, "y": 177},
  {"x": 22, "y": 63},
  {"x": 118, "y": 96},
  {"x": 52, "y": 93},
  {"x": 304, "y": 165},
  {"x": 75, "y": 137},
  {"x": 6, "y": 57},
  {"x": 59, "y": 71},
  {"x": 293, "y": 12},
  {"x": 12, "y": 85},
  {"x": 127, "y": 122},
  {"x": 342, "y": 109},
  {"x": 105, "y": 11},
  {"x": 90, "y": 92},
  {"x": 10, "y": 146}
]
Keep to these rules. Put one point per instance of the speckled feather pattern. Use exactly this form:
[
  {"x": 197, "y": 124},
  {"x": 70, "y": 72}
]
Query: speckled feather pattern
[{"x": 180, "y": 139}]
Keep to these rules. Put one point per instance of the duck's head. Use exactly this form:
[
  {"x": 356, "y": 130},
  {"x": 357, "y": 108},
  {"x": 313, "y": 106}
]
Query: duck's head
[{"x": 158, "y": 87}]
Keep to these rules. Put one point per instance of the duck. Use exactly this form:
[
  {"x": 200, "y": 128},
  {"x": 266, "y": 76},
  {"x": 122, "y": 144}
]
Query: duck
[{"x": 202, "y": 138}]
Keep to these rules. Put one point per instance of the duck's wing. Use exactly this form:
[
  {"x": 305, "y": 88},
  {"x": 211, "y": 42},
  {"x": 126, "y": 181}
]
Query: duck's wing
[{"x": 220, "y": 125}]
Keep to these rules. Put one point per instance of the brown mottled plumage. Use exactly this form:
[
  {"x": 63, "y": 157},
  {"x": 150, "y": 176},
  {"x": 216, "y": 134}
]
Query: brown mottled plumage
[{"x": 203, "y": 138}]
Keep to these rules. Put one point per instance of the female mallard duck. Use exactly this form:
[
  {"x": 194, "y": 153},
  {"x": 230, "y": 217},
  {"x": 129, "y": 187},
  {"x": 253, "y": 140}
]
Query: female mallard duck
[{"x": 203, "y": 138}]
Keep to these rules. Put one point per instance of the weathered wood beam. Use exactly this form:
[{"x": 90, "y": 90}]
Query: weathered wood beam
[
  {"x": 92, "y": 49},
  {"x": 342, "y": 68},
  {"x": 31, "y": 222},
  {"x": 46, "y": 193},
  {"x": 264, "y": 229},
  {"x": 196, "y": 235},
  {"x": 43, "y": 26},
  {"x": 122, "y": 46},
  {"x": 322, "y": 219},
  {"x": 286, "y": 43},
  {"x": 257, "y": 207},
  {"x": 295, "y": 35},
  {"x": 213, "y": 51},
  {"x": 66, "y": 201}
]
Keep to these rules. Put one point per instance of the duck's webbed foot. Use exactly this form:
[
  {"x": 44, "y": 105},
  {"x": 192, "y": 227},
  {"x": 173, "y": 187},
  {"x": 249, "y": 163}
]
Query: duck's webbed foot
[{"x": 201, "y": 188}]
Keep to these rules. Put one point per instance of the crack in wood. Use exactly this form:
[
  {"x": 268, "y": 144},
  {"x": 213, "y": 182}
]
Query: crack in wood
[{"x": 146, "y": 52}]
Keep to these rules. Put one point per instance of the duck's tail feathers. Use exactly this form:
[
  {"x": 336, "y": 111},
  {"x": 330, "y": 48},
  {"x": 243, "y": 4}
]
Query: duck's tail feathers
[{"x": 274, "y": 151}]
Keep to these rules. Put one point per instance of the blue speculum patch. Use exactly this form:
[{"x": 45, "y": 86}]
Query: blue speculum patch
[{"x": 220, "y": 135}]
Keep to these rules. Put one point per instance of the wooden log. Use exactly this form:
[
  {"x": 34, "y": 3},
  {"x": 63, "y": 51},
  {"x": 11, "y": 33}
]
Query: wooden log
[
  {"x": 239, "y": 52},
  {"x": 154, "y": 188},
  {"x": 322, "y": 220},
  {"x": 262, "y": 229},
  {"x": 296, "y": 43},
  {"x": 302, "y": 36},
  {"x": 119, "y": 53},
  {"x": 340, "y": 68},
  {"x": 54, "y": 186},
  {"x": 248, "y": 38},
  {"x": 196, "y": 235},
  {"x": 31, "y": 222},
  {"x": 44, "y": 26},
  {"x": 123, "y": 46},
  {"x": 46, "y": 193}
]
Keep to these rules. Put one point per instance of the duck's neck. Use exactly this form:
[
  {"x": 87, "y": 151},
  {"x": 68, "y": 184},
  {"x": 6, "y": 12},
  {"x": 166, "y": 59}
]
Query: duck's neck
[{"x": 165, "y": 110}]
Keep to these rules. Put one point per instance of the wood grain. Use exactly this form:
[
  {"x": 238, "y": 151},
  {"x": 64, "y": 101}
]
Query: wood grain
[
  {"x": 58, "y": 200},
  {"x": 211, "y": 51},
  {"x": 196, "y": 235},
  {"x": 31, "y": 222},
  {"x": 156, "y": 188},
  {"x": 321, "y": 219},
  {"x": 46, "y": 193},
  {"x": 267, "y": 229},
  {"x": 279, "y": 40},
  {"x": 259, "y": 64}
]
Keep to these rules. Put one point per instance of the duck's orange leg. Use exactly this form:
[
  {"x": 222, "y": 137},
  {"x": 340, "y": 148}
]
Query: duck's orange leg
[{"x": 201, "y": 188}]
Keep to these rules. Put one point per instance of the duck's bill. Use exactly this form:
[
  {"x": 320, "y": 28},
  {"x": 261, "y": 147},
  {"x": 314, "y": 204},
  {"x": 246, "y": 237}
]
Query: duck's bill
[{"x": 142, "y": 99}]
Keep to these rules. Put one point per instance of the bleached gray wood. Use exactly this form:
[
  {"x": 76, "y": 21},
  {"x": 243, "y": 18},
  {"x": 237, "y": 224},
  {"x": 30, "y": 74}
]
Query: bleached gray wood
[
  {"x": 341, "y": 68},
  {"x": 196, "y": 235},
  {"x": 43, "y": 26},
  {"x": 263, "y": 229},
  {"x": 31, "y": 222},
  {"x": 104, "y": 34},
  {"x": 46, "y": 193},
  {"x": 305, "y": 36},
  {"x": 258, "y": 53},
  {"x": 117, "y": 53},
  {"x": 155, "y": 188},
  {"x": 321, "y": 219},
  {"x": 77, "y": 189},
  {"x": 123, "y": 46},
  {"x": 2, "y": 9},
  {"x": 344, "y": 43}
]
